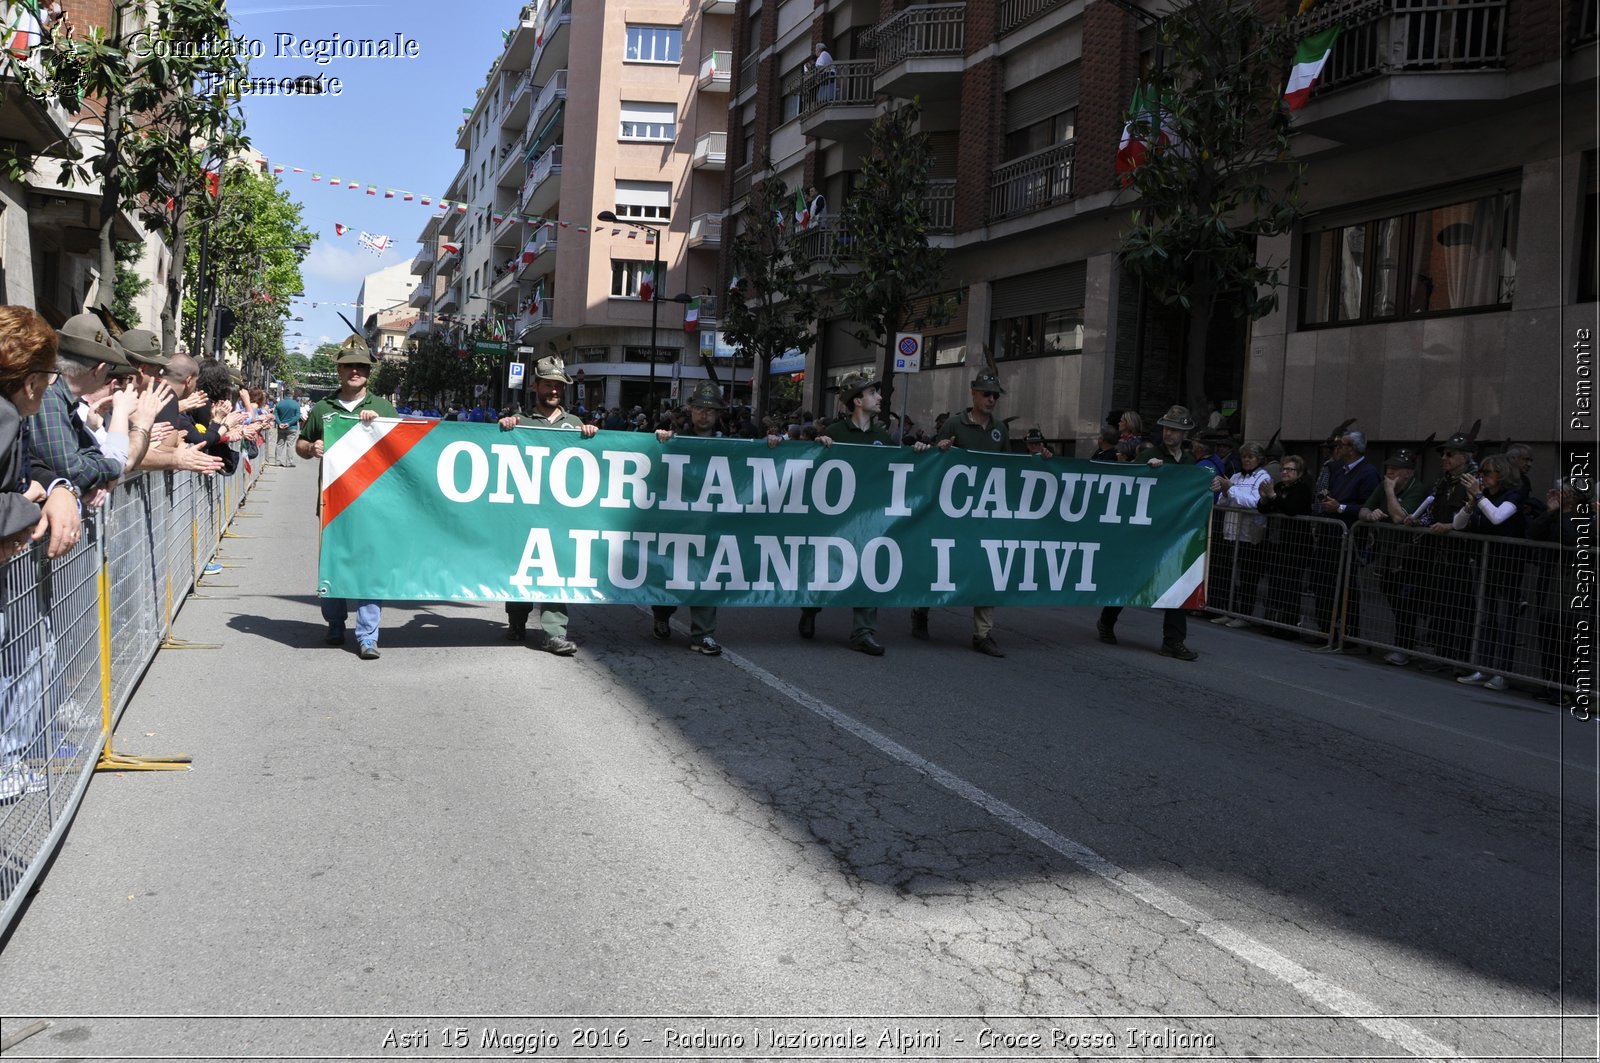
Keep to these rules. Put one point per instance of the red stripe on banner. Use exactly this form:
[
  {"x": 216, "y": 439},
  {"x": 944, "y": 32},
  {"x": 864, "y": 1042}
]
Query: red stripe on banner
[
  {"x": 371, "y": 465},
  {"x": 1197, "y": 597}
]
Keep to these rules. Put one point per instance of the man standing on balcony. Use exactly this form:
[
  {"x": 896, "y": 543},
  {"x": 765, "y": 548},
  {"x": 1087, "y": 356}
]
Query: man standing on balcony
[
  {"x": 818, "y": 208},
  {"x": 550, "y": 380}
]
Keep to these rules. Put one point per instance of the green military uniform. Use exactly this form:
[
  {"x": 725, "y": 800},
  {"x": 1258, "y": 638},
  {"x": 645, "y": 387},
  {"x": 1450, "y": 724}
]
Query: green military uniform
[
  {"x": 863, "y": 621},
  {"x": 552, "y": 615},
  {"x": 315, "y": 428},
  {"x": 337, "y": 610},
  {"x": 702, "y": 618},
  {"x": 1185, "y": 456},
  {"x": 1409, "y": 498},
  {"x": 968, "y": 434}
]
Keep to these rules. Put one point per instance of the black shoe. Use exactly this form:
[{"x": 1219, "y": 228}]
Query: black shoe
[
  {"x": 661, "y": 629},
  {"x": 919, "y": 626},
  {"x": 516, "y": 630},
  {"x": 808, "y": 624},
  {"x": 987, "y": 645},
  {"x": 335, "y": 635},
  {"x": 868, "y": 645},
  {"x": 1178, "y": 650},
  {"x": 1107, "y": 635}
]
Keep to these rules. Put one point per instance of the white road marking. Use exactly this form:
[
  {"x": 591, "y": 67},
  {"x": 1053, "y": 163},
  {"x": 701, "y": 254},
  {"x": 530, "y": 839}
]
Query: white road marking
[{"x": 1335, "y": 998}]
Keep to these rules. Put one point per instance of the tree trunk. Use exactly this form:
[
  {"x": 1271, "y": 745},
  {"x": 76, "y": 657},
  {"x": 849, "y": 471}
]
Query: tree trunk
[
  {"x": 1202, "y": 306},
  {"x": 173, "y": 304},
  {"x": 886, "y": 373},
  {"x": 110, "y": 184}
]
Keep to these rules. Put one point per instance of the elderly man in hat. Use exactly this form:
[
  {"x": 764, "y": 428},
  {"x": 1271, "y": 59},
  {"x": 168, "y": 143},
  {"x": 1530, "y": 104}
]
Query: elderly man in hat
[
  {"x": 354, "y": 367},
  {"x": 1399, "y": 495},
  {"x": 550, "y": 382},
  {"x": 58, "y": 437},
  {"x": 977, "y": 428},
  {"x": 1175, "y": 426},
  {"x": 860, "y": 399}
]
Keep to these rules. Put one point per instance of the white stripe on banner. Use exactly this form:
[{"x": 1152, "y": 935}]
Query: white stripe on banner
[
  {"x": 337, "y": 459},
  {"x": 1179, "y": 592}
]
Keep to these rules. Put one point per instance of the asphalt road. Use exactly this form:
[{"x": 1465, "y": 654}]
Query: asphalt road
[{"x": 797, "y": 851}]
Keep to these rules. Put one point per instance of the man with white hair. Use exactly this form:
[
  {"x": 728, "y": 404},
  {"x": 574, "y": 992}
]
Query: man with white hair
[
  {"x": 1351, "y": 481},
  {"x": 57, "y": 437}
]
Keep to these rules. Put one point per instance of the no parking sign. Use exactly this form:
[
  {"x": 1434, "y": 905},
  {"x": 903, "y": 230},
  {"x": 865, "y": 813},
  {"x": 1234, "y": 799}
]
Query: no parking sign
[{"x": 907, "y": 352}]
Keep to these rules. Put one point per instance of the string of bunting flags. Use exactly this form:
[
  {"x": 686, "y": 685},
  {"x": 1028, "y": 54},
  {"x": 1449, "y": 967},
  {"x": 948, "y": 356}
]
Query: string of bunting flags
[{"x": 444, "y": 206}]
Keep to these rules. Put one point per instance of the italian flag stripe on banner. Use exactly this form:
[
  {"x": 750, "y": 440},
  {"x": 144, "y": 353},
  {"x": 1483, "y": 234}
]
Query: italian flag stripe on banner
[
  {"x": 1309, "y": 59},
  {"x": 360, "y": 456}
]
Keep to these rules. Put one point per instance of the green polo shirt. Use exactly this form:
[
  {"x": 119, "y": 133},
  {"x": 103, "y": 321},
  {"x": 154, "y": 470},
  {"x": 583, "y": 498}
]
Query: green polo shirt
[
  {"x": 995, "y": 436},
  {"x": 312, "y": 430},
  {"x": 845, "y": 431},
  {"x": 1410, "y": 498},
  {"x": 560, "y": 420}
]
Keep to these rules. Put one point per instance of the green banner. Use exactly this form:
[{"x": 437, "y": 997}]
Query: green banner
[{"x": 429, "y": 511}]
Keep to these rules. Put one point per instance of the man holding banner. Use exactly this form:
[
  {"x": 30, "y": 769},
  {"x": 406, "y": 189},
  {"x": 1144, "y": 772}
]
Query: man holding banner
[
  {"x": 1176, "y": 425},
  {"x": 549, "y": 386},
  {"x": 976, "y": 429},
  {"x": 355, "y": 369},
  {"x": 861, "y": 399}
]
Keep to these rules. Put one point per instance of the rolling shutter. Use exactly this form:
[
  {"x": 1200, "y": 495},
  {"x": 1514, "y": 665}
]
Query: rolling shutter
[{"x": 1060, "y": 288}]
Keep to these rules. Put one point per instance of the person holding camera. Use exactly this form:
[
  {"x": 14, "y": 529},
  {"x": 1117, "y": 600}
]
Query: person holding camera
[{"x": 1494, "y": 508}]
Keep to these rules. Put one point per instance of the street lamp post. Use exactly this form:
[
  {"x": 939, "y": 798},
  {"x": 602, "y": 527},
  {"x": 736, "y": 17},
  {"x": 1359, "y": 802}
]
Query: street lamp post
[{"x": 655, "y": 296}]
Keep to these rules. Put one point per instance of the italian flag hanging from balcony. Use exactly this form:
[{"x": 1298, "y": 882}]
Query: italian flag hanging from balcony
[
  {"x": 1133, "y": 151},
  {"x": 1309, "y": 59},
  {"x": 647, "y": 286}
]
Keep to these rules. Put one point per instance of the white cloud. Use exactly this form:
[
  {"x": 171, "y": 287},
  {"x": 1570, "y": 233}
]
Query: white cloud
[{"x": 338, "y": 269}]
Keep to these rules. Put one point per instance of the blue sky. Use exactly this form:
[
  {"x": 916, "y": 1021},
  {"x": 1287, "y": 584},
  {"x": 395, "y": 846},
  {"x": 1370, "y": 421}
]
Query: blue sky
[{"x": 393, "y": 125}]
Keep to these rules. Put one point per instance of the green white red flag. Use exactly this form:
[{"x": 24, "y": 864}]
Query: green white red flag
[{"x": 1309, "y": 59}]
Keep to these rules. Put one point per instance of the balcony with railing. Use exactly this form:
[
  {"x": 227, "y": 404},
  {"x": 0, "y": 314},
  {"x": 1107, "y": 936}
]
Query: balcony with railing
[
  {"x": 717, "y": 7},
  {"x": 705, "y": 231},
  {"x": 554, "y": 37},
  {"x": 814, "y": 245},
  {"x": 450, "y": 301},
  {"x": 508, "y": 164},
  {"x": 709, "y": 317},
  {"x": 517, "y": 104},
  {"x": 1451, "y": 53},
  {"x": 520, "y": 42},
  {"x": 716, "y": 72},
  {"x": 939, "y": 205},
  {"x": 533, "y": 320},
  {"x": 543, "y": 186},
  {"x": 539, "y": 255},
  {"x": 747, "y": 73},
  {"x": 837, "y": 100},
  {"x": 552, "y": 92},
  {"x": 419, "y": 328},
  {"x": 1016, "y": 13},
  {"x": 421, "y": 296},
  {"x": 505, "y": 229},
  {"x": 711, "y": 152},
  {"x": 504, "y": 283},
  {"x": 919, "y": 51},
  {"x": 1032, "y": 182},
  {"x": 423, "y": 263}
]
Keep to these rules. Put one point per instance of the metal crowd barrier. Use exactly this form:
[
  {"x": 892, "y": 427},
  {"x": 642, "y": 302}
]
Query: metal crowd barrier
[
  {"x": 76, "y": 635},
  {"x": 1485, "y": 603}
]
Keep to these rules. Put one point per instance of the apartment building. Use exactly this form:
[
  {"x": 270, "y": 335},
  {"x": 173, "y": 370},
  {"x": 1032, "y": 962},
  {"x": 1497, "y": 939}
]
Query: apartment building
[
  {"x": 50, "y": 254},
  {"x": 1447, "y": 250},
  {"x": 620, "y": 109},
  {"x": 384, "y": 310}
]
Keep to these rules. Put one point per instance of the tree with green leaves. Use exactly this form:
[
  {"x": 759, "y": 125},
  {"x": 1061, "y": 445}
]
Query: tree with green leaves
[
  {"x": 144, "y": 91},
  {"x": 1218, "y": 178},
  {"x": 882, "y": 269},
  {"x": 129, "y": 285},
  {"x": 770, "y": 308},
  {"x": 254, "y": 266}
]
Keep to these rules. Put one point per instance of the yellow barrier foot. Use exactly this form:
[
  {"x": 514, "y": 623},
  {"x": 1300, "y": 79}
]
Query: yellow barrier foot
[
  {"x": 236, "y": 535},
  {"x": 170, "y": 643},
  {"x": 133, "y": 762}
]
